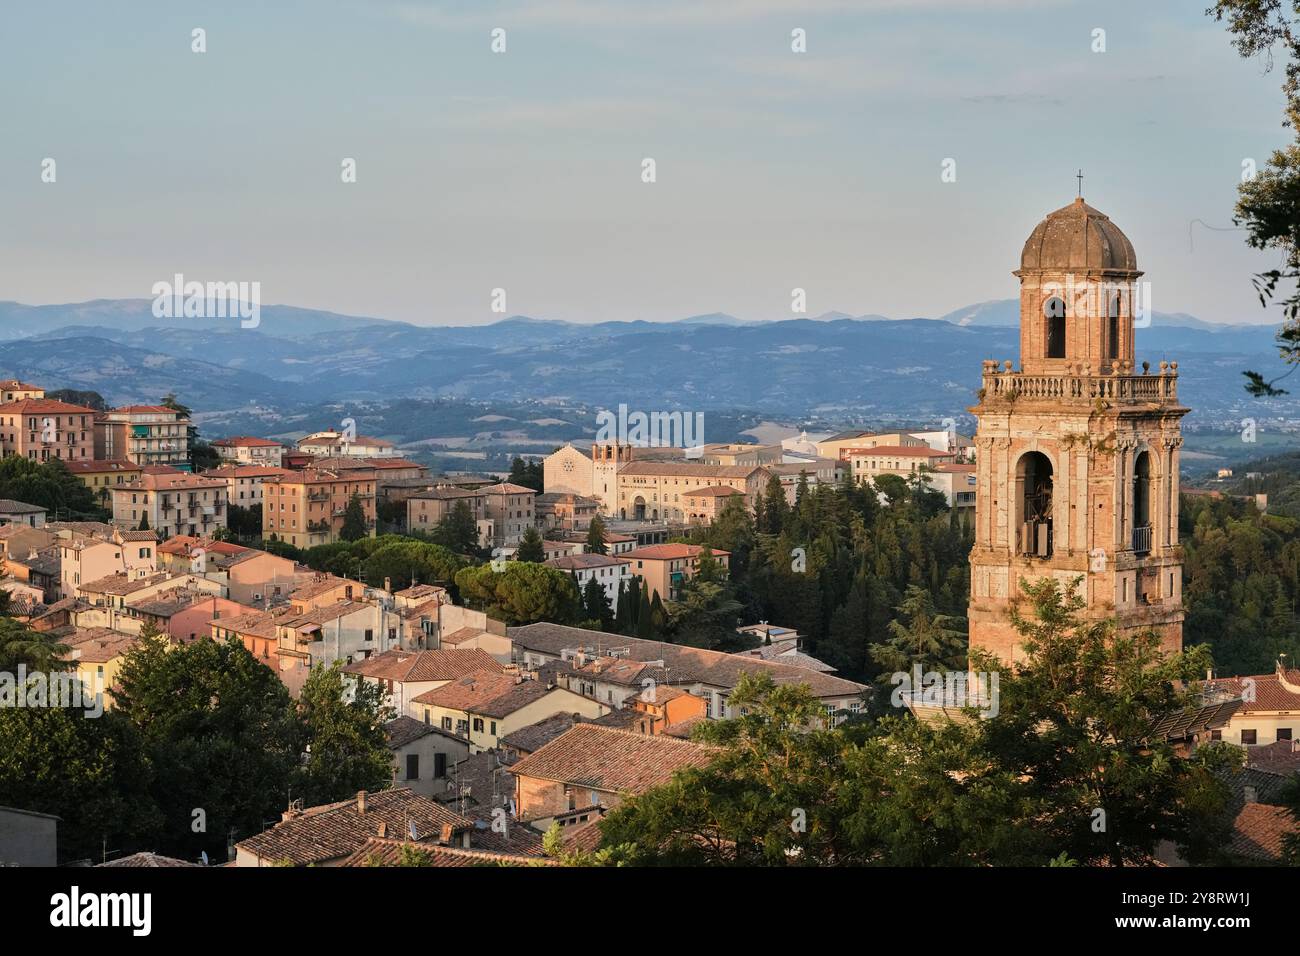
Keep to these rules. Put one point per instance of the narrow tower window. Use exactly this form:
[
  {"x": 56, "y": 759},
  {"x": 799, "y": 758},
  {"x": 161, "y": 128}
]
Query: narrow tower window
[
  {"x": 1142, "y": 504},
  {"x": 1034, "y": 497},
  {"x": 1054, "y": 312},
  {"x": 1113, "y": 337}
]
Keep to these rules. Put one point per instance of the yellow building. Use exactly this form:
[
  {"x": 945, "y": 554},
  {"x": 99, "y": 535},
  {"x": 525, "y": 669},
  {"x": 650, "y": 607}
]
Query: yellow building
[
  {"x": 307, "y": 508},
  {"x": 96, "y": 654},
  {"x": 664, "y": 567},
  {"x": 484, "y": 706},
  {"x": 103, "y": 476},
  {"x": 657, "y": 490}
]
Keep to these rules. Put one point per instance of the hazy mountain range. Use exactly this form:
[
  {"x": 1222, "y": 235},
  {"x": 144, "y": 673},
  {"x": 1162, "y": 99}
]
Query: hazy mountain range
[{"x": 857, "y": 366}]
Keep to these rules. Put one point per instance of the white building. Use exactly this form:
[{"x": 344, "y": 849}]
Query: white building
[{"x": 609, "y": 571}]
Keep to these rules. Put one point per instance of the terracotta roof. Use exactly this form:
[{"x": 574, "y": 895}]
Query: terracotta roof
[
  {"x": 416, "y": 666},
  {"x": 43, "y": 406},
  {"x": 245, "y": 471},
  {"x": 465, "y": 693},
  {"x": 376, "y": 852},
  {"x": 687, "y": 469},
  {"x": 1271, "y": 691},
  {"x": 247, "y": 441},
  {"x": 145, "y": 410},
  {"x": 12, "y": 507},
  {"x": 583, "y": 562},
  {"x": 323, "y": 585},
  {"x": 1282, "y": 757},
  {"x": 14, "y": 385},
  {"x": 254, "y": 623},
  {"x": 404, "y": 730},
  {"x": 167, "y": 482},
  {"x": 667, "y": 552},
  {"x": 421, "y": 590},
  {"x": 461, "y": 634},
  {"x": 1258, "y": 830},
  {"x": 683, "y": 728},
  {"x": 902, "y": 451},
  {"x": 446, "y": 494},
  {"x": 336, "y": 830},
  {"x": 535, "y": 736},
  {"x": 616, "y": 761},
  {"x": 118, "y": 584},
  {"x": 98, "y": 645},
  {"x": 505, "y": 488},
  {"x": 362, "y": 440},
  {"x": 148, "y": 860},
  {"x": 516, "y": 698},
  {"x": 687, "y": 665},
  {"x": 713, "y": 491}
]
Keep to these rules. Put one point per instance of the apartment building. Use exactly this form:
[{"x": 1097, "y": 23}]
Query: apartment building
[
  {"x": 86, "y": 559},
  {"x": 665, "y": 567},
  {"x": 901, "y": 460},
  {"x": 12, "y": 390},
  {"x": 145, "y": 435},
  {"x": 511, "y": 509},
  {"x": 346, "y": 445},
  {"x": 608, "y": 571},
  {"x": 175, "y": 503},
  {"x": 737, "y": 453},
  {"x": 102, "y": 476},
  {"x": 425, "y": 509},
  {"x": 42, "y": 428},
  {"x": 564, "y": 511},
  {"x": 248, "y": 450},
  {"x": 244, "y": 482},
  {"x": 703, "y": 505},
  {"x": 307, "y": 508}
]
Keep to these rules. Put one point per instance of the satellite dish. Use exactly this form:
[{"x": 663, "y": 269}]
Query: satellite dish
[
  {"x": 204, "y": 855},
  {"x": 414, "y": 834}
]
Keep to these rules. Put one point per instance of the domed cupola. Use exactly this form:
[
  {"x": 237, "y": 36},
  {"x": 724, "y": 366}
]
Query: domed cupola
[{"x": 1078, "y": 239}]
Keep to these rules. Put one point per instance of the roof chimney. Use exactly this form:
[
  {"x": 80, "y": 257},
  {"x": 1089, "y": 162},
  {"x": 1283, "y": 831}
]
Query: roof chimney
[
  {"x": 388, "y": 585},
  {"x": 383, "y": 829},
  {"x": 361, "y": 801},
  {"x": 444, "y": 837},
  {"x": 1250, "y": 794}
]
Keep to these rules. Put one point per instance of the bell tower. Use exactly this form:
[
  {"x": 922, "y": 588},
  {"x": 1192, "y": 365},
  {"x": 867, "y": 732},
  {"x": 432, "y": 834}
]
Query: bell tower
[{"x": 1077, "y": 450}]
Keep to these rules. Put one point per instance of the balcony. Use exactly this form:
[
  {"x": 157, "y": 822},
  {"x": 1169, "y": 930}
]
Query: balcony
[
  {"x": 1142, "y": 539},
  {"x": 1080, "y": 385}
]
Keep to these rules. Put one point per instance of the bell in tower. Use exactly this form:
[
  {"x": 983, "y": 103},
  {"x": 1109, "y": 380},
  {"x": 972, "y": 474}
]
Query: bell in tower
[{"x": 1077, "y": 451}]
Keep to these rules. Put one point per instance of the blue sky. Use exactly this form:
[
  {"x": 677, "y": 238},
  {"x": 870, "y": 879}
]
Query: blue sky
[{"x": 522, "y": 170}]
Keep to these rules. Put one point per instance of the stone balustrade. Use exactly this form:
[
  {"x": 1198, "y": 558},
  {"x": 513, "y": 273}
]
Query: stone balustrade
[{"x": 1116, "y": 384}]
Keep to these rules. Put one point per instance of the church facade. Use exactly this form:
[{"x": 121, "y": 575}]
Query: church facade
[{"x": 1078, "y": 449}]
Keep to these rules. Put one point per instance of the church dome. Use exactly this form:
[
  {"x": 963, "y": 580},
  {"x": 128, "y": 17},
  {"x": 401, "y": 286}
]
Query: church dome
[{"x": 1078, "y": 238}]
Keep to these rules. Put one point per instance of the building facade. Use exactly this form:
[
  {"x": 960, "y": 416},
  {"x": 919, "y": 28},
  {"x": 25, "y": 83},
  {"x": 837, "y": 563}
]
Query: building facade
[{"x": 1078, "y": 450}]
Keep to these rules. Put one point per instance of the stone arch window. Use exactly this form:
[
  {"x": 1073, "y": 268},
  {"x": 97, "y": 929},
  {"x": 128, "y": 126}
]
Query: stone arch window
[
  {"x": 1034, "y": 505},
  {"x": 1054, "y": 313},
  {"x": 1142, "y": 486},
  {"x": 1112, "y": 336}
]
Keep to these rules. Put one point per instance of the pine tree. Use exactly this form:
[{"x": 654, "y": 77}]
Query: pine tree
[
  {"x": 775, "y": 508},
  {"x": 596, "y": 537},
  {"x": 354, "y": 520},
  {"x": 531, "y": 547},
  {"x": 596, "y": 604}
]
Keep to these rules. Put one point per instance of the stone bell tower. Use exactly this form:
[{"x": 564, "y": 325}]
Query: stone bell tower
[{"x": 1077, "y": 450}]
